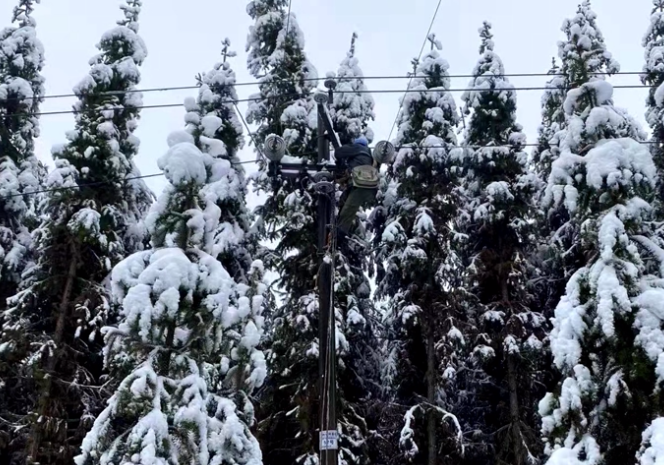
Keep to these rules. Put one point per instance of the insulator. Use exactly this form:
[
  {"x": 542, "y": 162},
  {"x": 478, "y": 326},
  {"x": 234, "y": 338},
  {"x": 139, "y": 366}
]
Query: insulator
[{"x": 384, "y": 152}]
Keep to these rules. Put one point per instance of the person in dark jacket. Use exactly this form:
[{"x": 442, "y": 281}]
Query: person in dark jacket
[{"x": 348, "y": 157}]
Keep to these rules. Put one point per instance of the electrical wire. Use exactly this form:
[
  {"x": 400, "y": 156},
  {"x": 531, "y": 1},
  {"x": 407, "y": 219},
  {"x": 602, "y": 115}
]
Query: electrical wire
[
  {"x": 316, "y": 79},
  {"x": 426, "y": 38},
  {"x": 96, "y": 184},
  {"x": 379, "y": 91},
  {"x": 251, "y": 134}
]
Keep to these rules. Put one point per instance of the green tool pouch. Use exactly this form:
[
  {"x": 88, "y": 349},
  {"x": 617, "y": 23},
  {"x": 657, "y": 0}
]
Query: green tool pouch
[{"x": 365, "y": 176}]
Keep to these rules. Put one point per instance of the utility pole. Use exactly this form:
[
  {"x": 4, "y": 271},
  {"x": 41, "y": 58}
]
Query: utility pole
[
  {"x": 327, "y": 328},
  {"x": 274, "y": 149}
]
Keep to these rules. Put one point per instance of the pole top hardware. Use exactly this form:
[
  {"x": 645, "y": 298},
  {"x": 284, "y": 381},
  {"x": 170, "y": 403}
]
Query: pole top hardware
[{"x": 274, "y": 148}]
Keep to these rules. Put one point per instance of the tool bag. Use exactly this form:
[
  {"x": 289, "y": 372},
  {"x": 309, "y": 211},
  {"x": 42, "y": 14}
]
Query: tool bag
[{"x": 365, "y": 176}]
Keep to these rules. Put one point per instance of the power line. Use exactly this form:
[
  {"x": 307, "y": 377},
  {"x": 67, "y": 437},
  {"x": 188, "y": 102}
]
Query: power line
[
  {"x": 378, "y": 91},
  {"x": 316, "y": 79},
  {"x": 96, "y": 184},
  {"x": 426, "y": 37},
  {"x": 251, "y": 134}
]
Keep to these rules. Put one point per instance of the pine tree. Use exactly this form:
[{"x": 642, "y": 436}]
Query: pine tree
[
  {"x": 21, "y": 174},
  {"x": 180, "y": 309},
  {"x": 653, "y": 76},
  {"x": 358, "y": 376},
  {"x": 421, "y": 275},
  {"x": 213, "y": 121},
  {"x": 284, "y": 106},
  {"x": 547, "y": 268},
  {"x": 49, "y": 337},
  {"x": 496, "y": 222},
  {"x": 606, "y": 324},
  {"x": 553, "y": 120},
  {"x": 352, "y": 108}
]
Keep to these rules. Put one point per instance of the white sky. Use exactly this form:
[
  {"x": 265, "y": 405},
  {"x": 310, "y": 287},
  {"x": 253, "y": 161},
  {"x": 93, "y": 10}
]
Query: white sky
[{"x": 184, "y": 38}]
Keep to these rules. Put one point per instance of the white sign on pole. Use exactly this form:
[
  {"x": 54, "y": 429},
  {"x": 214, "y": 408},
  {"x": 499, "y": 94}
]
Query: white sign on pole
[{"x": 328, "y": 440}]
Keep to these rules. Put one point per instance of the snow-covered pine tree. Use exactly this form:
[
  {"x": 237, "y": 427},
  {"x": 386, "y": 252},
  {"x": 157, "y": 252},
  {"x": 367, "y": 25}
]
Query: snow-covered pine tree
[
  {"x": 213, "y": 121},
  {"x": 92, "y": 221},
  {"x": 180, "y": 310},
  {"x": 559, "y": 256},
  {"x": 358, "y": 376},
  {"x": 547, "y": 271},
  {"x": 607, "y": 325},
  {"x": 422, "y": 272},
  {"x": 288, "y": 408},
  {"x": 553, "y": 119},
  {"x": 653, "y": 76},
  {"x": 215, "y": 124},
  {"x": 496, "y": 222},
  {"x": 21, "y": 92},
  {"x": 352, "y": 108}
]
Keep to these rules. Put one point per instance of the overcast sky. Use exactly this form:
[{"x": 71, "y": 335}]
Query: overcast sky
[{"x": 184, "y": 38}]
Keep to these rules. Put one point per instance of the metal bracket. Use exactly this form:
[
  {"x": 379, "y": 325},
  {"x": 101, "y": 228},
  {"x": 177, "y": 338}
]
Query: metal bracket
[
  {"x": 322, "y": 176},
  {"x": 324, "y": 187}
]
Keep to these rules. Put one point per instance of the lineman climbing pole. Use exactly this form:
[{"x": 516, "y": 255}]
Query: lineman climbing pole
[{"x": 322, "y": 174}]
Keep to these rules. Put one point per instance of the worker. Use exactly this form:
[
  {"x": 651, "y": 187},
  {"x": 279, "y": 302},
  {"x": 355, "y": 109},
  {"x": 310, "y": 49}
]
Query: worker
[{"x": 356, "y": 160}]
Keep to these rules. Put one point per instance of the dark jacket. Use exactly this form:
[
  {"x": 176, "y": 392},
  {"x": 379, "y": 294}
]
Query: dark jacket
[{"x": 350, "y": 156}]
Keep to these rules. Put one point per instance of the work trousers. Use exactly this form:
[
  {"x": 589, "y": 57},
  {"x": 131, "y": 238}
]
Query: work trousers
[{"x": 358, "y": 197}]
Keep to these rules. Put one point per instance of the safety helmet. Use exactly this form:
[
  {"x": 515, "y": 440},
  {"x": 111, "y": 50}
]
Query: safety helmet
[{"x": 361, "y": 141}]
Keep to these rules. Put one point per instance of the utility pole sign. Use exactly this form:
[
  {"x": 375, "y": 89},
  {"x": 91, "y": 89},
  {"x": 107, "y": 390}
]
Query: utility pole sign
[{"x": 329, "y": 440}]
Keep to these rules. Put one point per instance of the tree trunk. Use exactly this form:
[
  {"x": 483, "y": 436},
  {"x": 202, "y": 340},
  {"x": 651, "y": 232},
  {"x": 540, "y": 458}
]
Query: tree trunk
[
  {"x": 515, "y": 420},
  {"x": 43, "y": 422},
  {"x": 431, "y": 392},
  {"x": 514, "y": 409}
]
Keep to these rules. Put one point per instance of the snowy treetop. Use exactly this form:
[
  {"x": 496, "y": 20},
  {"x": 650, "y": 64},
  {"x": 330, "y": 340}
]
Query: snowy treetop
[
  {"x": 272, "y": 20},
  {"x": 584, "y": 53},
  {"x": 487, "y": 38},
  {"x": 131, "y": 11},
  {"x": 21, "y": 92},
  {"x": 213, "y": 116},
  {"x": 353, "y": 106},
  {"x": 133, "y": 45},
  {"x": 23, "y": 13},
  {"x": 489, "y": 76},
  {"x": 21, "y": 53},
  {"x": 432, "y": 78}
]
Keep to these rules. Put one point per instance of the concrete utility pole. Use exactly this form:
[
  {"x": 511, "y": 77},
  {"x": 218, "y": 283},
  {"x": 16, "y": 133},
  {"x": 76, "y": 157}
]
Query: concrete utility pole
[{"x": 323, "y": 178}]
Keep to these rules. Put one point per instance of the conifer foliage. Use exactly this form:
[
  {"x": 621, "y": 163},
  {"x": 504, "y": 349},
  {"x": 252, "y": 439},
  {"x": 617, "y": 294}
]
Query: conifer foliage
[
  {"x": 352, "y": 108},
  {"x": 179, "y": 308},
  {"x": 189, "y": 328},
  {"x": 653, "y": 76},
  {"x": 215, "y": 124},
  {"x": 284, "y": 106},
  {"x": 21, "y": 92},
  {"x": 49, "y": 354},
  {"x": 495, "y": 222},
  {"x": 607, "y": 324},
  {"x": 421, "y": 274},
  {"x": 358, "y": 374}
]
